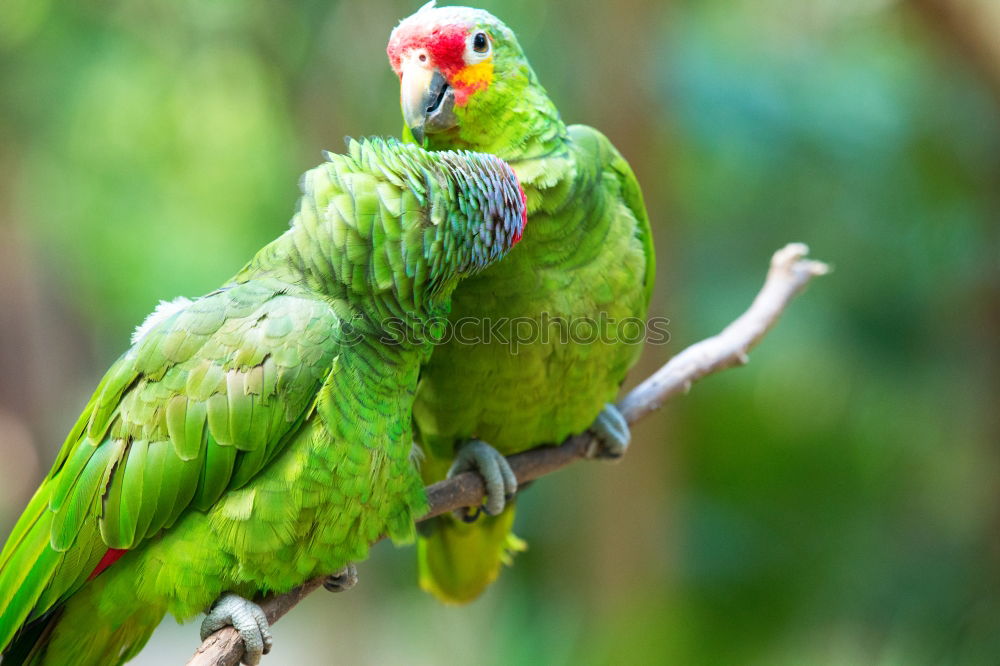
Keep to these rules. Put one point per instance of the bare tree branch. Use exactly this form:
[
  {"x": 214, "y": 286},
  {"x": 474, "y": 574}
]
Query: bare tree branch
[{"x": 790, "y": 272}]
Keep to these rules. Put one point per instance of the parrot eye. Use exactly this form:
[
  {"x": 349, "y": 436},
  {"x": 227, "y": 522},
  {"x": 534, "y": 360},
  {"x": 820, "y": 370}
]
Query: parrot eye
[{"x": 480, "y": 43}]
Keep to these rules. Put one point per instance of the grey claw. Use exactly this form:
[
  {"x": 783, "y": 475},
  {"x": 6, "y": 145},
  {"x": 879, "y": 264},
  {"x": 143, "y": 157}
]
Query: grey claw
[
  {"x": 612, "y": 432},
  {"x": 232, "y": 610},
  {"x": 343, "y": 580},
  {"x": 501, "y": 484}
]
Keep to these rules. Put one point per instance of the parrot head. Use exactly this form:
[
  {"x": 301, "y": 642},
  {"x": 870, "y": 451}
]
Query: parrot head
[
  {"x": 459, "y": 68},
  {"x": 490, "y": 219},
  {"x": 476, "y": 209},
  {"x": 413, "y": 221},
  {"x": 480, "y": 223}
]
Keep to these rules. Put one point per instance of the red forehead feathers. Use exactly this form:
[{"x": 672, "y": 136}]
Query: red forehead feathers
[{"x": 444, "y": 43}]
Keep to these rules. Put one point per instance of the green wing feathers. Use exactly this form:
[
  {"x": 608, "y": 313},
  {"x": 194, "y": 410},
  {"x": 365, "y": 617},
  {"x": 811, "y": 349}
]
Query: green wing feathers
[
  {"x": 198, "y": 406},
  {"x": 603, "y": 152},
  {"x": 632, "y": 196}
]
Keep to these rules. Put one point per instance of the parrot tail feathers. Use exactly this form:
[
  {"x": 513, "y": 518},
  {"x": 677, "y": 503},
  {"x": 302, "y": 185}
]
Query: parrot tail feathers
[
  {"x": 88, "y": 629},
  {"x": 27, "y": 564},
  {"x": 28, "y": 646},
  {"x": 456, "y": 561},
  {"x": 35, "y": 578}
]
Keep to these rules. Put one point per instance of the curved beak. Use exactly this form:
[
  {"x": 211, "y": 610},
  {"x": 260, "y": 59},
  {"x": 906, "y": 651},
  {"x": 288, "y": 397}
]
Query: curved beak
[{"x": 427, "y": 99}]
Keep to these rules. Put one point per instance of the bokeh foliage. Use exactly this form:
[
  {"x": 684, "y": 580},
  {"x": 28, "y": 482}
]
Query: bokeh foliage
[{"x": 833, "y": 503}]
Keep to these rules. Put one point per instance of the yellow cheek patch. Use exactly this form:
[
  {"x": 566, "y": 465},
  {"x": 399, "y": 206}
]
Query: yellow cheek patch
[{"x": 474, "y": 77}]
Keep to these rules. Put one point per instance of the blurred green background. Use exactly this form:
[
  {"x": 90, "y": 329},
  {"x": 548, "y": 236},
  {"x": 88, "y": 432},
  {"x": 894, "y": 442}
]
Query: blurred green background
[{"x": 835, "y": 502}]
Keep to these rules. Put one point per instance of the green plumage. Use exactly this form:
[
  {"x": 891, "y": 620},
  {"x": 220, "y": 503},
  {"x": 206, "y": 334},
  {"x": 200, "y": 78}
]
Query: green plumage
[
  {"x": 260, "y": 435},
  {"x": 587, "y": 253}
]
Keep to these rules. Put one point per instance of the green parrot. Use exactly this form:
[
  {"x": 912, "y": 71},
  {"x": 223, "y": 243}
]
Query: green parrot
[
  {"x": 260, "y": 435},
  {"x": 586, "y": 264}
]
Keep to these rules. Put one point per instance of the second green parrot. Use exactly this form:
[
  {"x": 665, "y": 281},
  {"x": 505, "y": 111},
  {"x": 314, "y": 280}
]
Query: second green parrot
[{"x": 572, "y": 292}]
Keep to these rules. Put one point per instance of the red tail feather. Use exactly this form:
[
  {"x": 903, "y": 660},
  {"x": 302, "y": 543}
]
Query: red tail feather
[{"x": 109, "y": 558}]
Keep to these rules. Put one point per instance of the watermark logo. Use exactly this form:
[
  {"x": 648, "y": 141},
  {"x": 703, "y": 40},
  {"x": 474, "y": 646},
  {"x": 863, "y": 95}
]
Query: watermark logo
[{"x": 515, "y": 333}]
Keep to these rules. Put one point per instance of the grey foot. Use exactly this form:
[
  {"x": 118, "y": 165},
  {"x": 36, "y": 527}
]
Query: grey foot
[
  {"x": 232, "y": 610},
  {"x": 501, "y": 484},
  {"x": 612, "y": 433},
  {"x": 343, "y": 580}
]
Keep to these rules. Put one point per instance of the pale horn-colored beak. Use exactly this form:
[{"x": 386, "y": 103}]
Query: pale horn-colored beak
[{"x": 425, "y": 96}]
